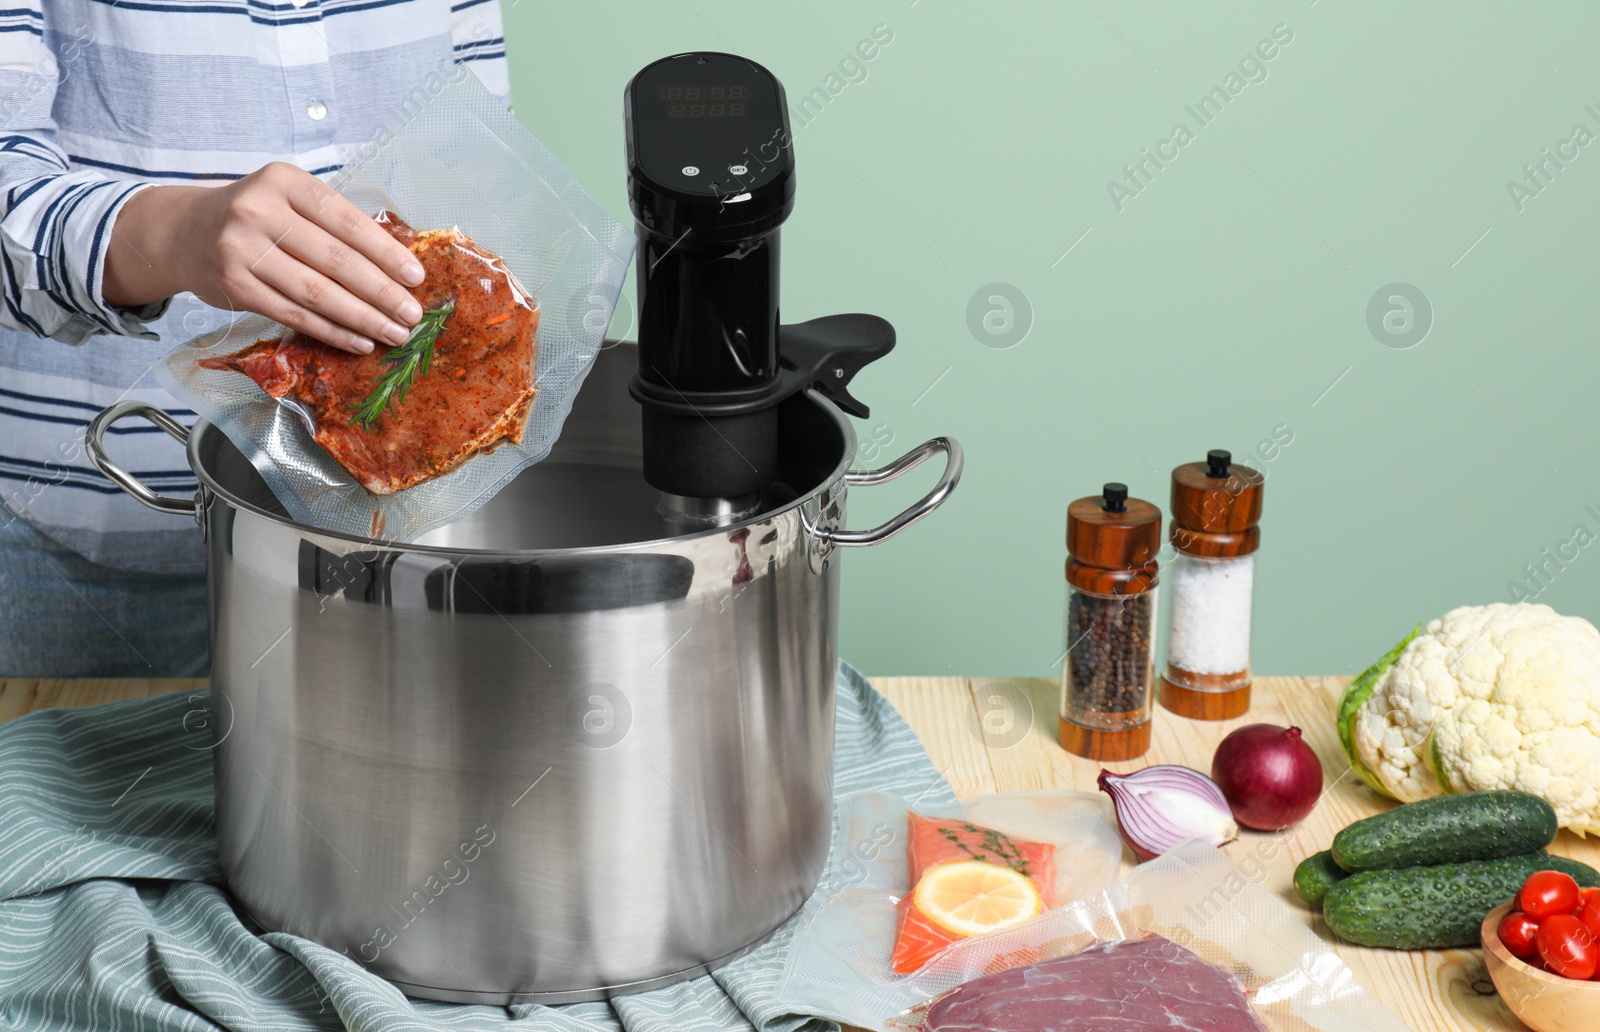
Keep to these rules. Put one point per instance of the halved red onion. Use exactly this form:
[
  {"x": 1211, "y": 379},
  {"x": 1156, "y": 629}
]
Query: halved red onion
[{"x": 1161, "y": 806}]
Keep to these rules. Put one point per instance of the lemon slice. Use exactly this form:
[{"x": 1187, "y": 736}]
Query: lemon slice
[{"x": 970, "y": 897}]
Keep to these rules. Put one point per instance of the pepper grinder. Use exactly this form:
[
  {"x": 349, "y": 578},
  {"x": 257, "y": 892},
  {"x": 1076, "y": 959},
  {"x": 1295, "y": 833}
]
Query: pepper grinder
[
  {"x": 1109, "y": 676},
  {"x": 1216, "y": 510}
]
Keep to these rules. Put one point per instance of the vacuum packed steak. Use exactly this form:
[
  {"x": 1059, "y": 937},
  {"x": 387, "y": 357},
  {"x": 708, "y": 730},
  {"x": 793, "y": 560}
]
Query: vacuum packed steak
[
  {"x": 1151, "y": 985},
  {"x": 474, "y": 394}
]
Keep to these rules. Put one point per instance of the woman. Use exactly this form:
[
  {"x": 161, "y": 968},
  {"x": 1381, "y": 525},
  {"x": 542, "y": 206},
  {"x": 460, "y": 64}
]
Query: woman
[{"x": 159, "y": 169}]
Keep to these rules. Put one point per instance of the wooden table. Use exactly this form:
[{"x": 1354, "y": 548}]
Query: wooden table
[{"x": 998, "y": 735}]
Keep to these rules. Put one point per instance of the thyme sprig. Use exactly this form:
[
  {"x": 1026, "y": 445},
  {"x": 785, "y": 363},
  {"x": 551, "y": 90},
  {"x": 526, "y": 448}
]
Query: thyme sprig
[
  {"x": 994, "y": 844},
  {"x": 405, "y": 363}
]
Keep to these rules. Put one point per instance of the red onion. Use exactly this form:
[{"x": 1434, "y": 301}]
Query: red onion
[
  {"x": 1161, "y": 806},
  {"x": 1269, "y": 775}
]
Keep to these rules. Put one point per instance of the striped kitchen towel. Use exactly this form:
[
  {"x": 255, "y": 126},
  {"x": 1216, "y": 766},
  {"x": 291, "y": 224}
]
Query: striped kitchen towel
[{"x": 113, "y": 915}]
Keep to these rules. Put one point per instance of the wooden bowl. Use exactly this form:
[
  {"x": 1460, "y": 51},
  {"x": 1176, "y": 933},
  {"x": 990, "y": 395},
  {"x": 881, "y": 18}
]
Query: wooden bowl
[{"x": 1545, "y": 1002}]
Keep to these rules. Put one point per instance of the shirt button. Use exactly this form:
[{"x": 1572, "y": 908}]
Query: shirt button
[
  {"x": 299, "y": 3},
  {"x": 316, "y": 110}
]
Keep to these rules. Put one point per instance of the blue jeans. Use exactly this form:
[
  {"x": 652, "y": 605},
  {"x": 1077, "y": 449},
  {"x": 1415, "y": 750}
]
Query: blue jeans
[{"x": 64, "y": 616}]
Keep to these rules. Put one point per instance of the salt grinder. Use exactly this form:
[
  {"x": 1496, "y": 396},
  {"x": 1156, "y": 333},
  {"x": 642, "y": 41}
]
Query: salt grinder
[
  {"x": 1216, "y": 511},
  {"x": 1108, "y": 680}
]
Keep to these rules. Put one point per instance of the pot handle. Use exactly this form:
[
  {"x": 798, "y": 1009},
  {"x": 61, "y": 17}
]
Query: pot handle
[
  {"x": 925, "y": 505},
  {"x": 94, "y": 443}
]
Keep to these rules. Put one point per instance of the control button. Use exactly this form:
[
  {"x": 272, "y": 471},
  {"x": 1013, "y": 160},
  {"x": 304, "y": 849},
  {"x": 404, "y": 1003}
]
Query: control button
[
  {"x": 737, "y": 170},
  {"x": 691, "y": 170},
  {"x": 316, "y": 110}
]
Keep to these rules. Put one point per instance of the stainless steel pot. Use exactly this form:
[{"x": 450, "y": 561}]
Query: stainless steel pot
[{"x": 547, "y": 752}]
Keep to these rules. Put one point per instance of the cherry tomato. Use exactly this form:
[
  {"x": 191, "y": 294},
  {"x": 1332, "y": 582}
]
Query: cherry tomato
[
  {"x": 1568, "y": 947},
  {"x": 1517, "y": 931},
  {"x": 1548, "y": 892},
  {"x": 1584, "y": 896},
  {"x": 1589, "y": 913}
]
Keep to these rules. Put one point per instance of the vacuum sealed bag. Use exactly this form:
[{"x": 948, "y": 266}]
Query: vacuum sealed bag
[
  {"x": 912, "y": 885},
  {"x": 1190, "y": 938},
  {"x": 523, "y": 270}
]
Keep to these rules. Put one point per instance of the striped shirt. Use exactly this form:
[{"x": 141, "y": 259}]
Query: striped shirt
[{"x": 99, "y": 98}]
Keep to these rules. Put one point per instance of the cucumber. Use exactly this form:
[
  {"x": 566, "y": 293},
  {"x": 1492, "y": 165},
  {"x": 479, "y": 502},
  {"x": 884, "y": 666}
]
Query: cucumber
[
  {"x": 1447, "y": 829},
  {"x": 1356, "y": 696},
  {"x": 1316, "y": 875},
  {"x": 1433, "y": 907}
]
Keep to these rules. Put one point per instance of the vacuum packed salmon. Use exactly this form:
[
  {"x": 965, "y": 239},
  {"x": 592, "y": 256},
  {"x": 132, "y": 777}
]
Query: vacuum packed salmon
[
  {"x": 461, "y": 386},
  {"x": 1147, "y": 985},
  {"x": 967, "y": 880}
]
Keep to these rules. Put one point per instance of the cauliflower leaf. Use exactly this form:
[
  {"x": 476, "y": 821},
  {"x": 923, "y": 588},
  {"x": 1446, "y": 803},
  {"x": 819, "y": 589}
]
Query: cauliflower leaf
[{"x": 1350, "y": 705}]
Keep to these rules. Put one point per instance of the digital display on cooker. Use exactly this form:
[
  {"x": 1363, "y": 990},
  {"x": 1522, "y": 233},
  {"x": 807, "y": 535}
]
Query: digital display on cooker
[
  {"x": 707, "y": 123},
  {"x": 721, "y": 100}
]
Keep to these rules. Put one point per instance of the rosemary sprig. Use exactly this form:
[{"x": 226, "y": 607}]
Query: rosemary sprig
[{"x": 405, "y": 363}]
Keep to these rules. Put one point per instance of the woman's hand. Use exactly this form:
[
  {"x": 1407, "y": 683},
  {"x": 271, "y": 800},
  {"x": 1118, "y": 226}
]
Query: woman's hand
[{"x": 279, "y": 242}]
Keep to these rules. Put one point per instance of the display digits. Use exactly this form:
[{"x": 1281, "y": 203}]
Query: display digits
[{"x": 724, "y": 101}]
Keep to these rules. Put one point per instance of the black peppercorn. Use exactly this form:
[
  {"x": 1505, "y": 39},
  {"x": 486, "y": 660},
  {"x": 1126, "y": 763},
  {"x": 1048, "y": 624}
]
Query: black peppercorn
[{"x": 1108, "y": 658}]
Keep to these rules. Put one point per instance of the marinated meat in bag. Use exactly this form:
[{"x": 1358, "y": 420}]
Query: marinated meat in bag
[
  {"x": 967, "y": 880},
  {"x": 468, "y": 394},
  {"x": 1148, "y": 985}
]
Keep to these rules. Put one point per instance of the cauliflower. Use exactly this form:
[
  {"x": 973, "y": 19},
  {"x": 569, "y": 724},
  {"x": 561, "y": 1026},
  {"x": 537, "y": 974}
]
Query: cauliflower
[{"x": 1496, "y": 696}]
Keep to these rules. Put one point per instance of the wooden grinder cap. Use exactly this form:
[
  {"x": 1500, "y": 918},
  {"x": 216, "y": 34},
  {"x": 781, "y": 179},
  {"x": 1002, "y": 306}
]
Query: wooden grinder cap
[
  {"x": 1216, "y": 507},
  {"x": 1112, "y": 542}
]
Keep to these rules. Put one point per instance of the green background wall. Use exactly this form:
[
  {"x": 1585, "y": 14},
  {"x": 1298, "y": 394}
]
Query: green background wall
[{"x": 1226, "y": 299}]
